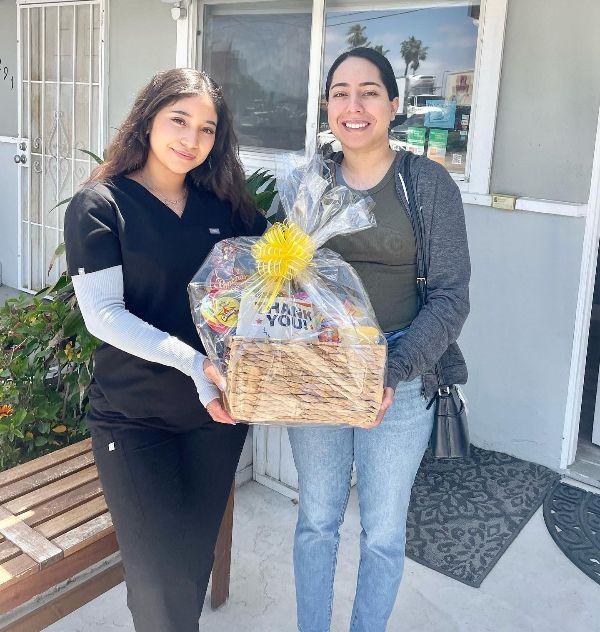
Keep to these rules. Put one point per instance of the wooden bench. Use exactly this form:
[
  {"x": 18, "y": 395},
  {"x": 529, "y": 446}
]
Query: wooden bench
[{"x": 55, "y": 526}]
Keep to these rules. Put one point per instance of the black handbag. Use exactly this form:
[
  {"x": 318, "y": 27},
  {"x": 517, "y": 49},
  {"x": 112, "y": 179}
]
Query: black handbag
[{"x": 450, "y": 435}]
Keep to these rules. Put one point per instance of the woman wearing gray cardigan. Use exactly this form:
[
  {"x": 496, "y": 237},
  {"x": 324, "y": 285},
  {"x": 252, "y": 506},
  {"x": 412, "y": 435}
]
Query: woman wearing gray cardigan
[{"x": 362, "y": 99}]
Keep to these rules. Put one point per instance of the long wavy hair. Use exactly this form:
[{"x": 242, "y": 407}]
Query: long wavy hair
[{"x": 222, "y": 171}]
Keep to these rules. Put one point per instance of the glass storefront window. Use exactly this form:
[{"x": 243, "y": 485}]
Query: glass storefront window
[
  {"x": 432, "y": 50},
  {"x": 258, "y": 53}
]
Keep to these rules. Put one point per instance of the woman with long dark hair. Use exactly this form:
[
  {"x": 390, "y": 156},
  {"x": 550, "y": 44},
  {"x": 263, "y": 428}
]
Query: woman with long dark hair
[
  {"x": 362, "y": 100},
  {"x": 135, "y": 233}
]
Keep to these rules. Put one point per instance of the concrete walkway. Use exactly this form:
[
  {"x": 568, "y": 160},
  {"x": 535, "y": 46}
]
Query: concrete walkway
[{"x": 533, "y": 588}]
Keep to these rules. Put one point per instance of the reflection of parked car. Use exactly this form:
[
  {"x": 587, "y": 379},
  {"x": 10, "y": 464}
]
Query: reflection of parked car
[
  {"x": 417, "y": 103},
  {"x": 398, "y": 119},
  {"x": 399, "y": 133}
]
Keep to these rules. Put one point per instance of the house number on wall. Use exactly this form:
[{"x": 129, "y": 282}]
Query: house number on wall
[{"x": 6, "y": 76}]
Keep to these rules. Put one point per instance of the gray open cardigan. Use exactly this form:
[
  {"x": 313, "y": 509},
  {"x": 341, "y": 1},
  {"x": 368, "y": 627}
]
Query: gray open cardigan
[{"x": 429, "y": 346}]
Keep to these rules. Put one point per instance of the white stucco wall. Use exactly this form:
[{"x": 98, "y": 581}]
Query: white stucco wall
[
  {"x": 519, "y": 335},
  {"x": 9, "y": 171},
  {"x": 549, "y": 99},
  {"x": 526, "y": 266},
  {"x": 8, "y": 60},
  {"x": 142, "y": 41}
]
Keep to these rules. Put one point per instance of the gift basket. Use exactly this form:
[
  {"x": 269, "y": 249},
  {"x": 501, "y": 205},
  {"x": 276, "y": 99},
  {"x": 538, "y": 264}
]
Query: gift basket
[{"x": 288, "y": 323}]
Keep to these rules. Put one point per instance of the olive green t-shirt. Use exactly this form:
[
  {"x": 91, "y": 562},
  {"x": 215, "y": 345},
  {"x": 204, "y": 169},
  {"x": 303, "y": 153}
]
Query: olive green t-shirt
[{"x": 384, "y": 256}]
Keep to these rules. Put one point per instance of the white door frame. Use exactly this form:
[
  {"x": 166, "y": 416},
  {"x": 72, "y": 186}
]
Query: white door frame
[
  {"x": 587, "y": 278},
  {"x": 185, "y": 48}
]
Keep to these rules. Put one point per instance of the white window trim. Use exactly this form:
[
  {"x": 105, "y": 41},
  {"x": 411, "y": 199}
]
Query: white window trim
[
  {"x": 531, "y": 205},
  {"x": 315, "y": 65},
  {"x": 185, "y": 51},
  {"x": 567, "y": 209},
  {"x": 46, "y": 2},
  {"x": 488, "y": 65}
]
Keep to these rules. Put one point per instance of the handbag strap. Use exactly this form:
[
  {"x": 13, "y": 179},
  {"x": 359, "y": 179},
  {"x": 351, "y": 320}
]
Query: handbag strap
[{"x": 417, "y": 222}]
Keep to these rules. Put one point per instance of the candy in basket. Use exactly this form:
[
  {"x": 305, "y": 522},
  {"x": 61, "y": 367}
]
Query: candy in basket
[{"x": 288, "y": 323}]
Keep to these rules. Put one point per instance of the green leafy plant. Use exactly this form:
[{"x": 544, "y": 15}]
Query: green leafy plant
[
  {"x": 46, "y": 359},
  {"x": 261, "y": 185}
]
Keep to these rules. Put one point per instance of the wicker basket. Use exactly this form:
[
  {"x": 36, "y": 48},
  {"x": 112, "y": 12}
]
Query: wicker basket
[{"x": 290, "y": 382}]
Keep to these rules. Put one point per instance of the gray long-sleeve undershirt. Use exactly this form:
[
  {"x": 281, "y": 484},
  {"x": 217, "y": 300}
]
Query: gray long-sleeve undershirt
[{"x": 100, "y": 297}]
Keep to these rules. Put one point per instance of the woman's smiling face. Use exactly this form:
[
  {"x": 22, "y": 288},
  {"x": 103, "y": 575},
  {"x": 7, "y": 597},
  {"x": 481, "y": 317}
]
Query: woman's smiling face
[
  {"x": 359, "y": 110},
  {"x": 183, "y": 133}
]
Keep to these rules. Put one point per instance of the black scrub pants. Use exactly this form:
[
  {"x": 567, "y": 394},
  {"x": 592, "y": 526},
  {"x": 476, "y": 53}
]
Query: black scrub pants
[{"x": 167, "y": 493}]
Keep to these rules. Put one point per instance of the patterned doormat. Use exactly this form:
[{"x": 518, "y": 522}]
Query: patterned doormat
[
  {"x": 572, "y": 516},
  {"x": 464, "y": 513}
]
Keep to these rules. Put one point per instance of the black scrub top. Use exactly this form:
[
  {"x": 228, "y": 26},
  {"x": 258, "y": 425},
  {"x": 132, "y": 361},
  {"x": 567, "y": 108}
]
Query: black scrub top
[{"x": 119, "y": 222}]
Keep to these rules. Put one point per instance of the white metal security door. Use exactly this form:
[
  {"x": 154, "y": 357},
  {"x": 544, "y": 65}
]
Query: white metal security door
[{"x": 60, "y": 113}]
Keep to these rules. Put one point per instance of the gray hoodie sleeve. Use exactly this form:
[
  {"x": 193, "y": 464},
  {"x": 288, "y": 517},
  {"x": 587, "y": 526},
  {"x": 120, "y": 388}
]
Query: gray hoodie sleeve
[{"x": 440, "y": 320}]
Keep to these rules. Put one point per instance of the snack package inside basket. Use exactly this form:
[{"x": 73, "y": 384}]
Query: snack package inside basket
[{"x": 287, "y": 322}]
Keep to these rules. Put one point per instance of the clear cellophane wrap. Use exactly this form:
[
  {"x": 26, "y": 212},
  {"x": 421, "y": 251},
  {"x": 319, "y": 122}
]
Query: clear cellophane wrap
[{"x": 287, "y": 322}]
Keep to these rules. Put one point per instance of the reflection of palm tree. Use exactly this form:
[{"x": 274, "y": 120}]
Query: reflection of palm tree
[
  {"x": 356, "y": 36},
  {"x": 415, "y": 65},
  {"x": 379, "y": 49},
  {"x": 413, "y": 52}
]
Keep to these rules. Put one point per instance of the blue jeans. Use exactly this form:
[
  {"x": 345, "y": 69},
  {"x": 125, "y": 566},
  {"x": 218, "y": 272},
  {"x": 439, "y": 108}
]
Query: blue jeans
[{"x": 387, "y": 458}]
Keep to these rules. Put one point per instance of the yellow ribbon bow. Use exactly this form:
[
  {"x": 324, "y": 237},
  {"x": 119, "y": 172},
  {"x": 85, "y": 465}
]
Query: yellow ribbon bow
[{"x": 281, "y": 254}]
